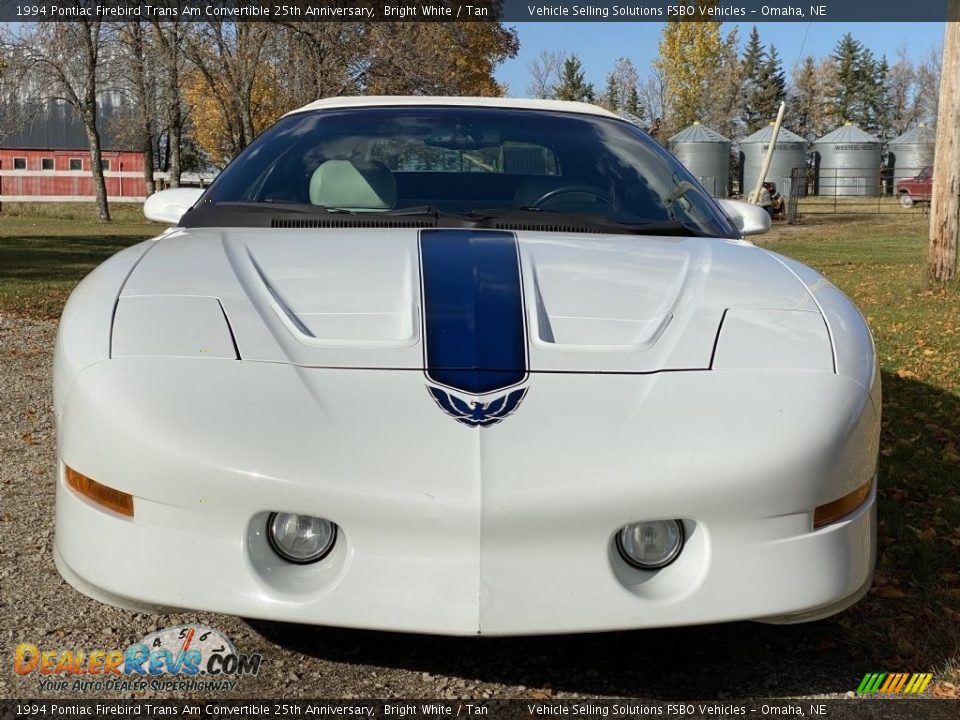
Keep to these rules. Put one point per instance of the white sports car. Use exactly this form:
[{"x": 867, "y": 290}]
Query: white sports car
[{"x": 460, "y": 366}]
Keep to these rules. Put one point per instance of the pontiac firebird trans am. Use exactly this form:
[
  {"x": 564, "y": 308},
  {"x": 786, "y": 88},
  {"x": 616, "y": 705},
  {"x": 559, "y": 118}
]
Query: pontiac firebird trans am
[{"x": 459, "y": 366}]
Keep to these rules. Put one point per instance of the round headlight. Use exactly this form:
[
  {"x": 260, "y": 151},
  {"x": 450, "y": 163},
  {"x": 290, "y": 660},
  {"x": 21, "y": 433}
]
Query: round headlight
[
  {"x": 651, "y": 545},
  {"x": 300, "y": 538}
]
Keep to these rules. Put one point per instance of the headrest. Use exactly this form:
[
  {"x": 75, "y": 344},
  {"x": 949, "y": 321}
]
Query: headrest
[{"x": 353, "y": 185}]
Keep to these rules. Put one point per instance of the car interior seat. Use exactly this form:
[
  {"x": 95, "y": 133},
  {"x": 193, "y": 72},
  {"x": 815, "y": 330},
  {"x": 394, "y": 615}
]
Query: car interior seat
[{"x": 351, "y": 185}]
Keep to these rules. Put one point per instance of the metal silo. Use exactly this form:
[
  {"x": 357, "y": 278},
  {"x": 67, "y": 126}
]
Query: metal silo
[
  {"x": 848, "y": 163},
  {"x": 706, "y": 154},
  {"x": 790, "y": 152},
  {"x": 911, "y": 152}
]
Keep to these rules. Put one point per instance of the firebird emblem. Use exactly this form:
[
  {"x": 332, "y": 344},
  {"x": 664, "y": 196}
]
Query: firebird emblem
[{"x": 474, "y": 413}]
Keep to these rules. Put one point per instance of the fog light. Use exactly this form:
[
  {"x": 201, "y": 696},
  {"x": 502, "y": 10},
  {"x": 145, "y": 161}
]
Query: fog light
[
  {"x": 300, "y": 538},
  {"x": 651, "y": 545}
]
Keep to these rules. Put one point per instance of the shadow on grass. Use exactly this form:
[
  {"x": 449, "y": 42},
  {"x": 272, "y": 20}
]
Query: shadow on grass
[
  {"x": 900, "y": 626},
  {"x": 55, "y": 259}
]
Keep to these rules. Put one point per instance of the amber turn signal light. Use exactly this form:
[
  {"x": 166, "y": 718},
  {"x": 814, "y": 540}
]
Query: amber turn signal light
[
  {"x": 119, "y": 502},
  {"x": 839, "y": 509}
]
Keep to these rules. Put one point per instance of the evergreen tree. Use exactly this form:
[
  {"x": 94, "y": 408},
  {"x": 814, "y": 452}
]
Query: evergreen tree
[
  {"x": 770, "y": 89},
  {"x": 852, "y": 60},
  {"x": 633, "y": 105},
  {"x": 879, "y": 110},
  {"x": 622, "y": 82},
  {"x": 573, "y": 84},
  {"x": 611, "y": 96},
  {"x": 750, "y": 71}
]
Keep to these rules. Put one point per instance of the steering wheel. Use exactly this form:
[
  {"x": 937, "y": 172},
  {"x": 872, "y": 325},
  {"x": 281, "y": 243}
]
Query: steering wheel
[{"x": 552, "y": 195}]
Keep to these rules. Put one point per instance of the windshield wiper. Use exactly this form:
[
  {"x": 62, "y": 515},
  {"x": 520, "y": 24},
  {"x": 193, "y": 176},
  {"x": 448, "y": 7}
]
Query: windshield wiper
[
  {"x": 669, "y": 228},
  {"x": 285, "y": 206},
  {"x": 428, "y": 210}
]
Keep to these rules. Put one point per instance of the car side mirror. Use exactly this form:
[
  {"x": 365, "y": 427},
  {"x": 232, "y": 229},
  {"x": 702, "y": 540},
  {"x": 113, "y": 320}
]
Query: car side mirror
[
  {"x": 747, "y": 218},
  {"x": 168, "y": 206}
]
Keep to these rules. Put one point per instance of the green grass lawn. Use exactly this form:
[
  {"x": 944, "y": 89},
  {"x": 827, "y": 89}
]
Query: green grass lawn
[
  {"x": 46, "y": 249},
  {"x": 911, "y": 619},
  {"x": 912, "y": 615}
]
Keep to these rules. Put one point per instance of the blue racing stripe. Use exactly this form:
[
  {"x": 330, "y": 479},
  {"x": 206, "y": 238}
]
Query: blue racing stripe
[{"x": 475, "y": 337}]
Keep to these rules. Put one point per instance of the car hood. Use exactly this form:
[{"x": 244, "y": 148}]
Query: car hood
[{"x": 453, "y": 303}]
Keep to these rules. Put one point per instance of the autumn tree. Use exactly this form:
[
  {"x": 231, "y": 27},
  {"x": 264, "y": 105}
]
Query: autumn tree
[
  {"x": 9, "y": 101},
  {"x": 724, "y": 89},
  {"x": 573, "y": 84},
  {"x": 902, "y": 94},
  {"x": 687, "y": 59},
  {"x": 652, "y": 94},
  {"x": 807, "y": 114},
  {"x": 545, "y": 72},
  {"x": 63, "y": 63},
  {"x": 320, "y": 60},
  {"x": 455, "y": 58},
  {"x": 928, "y": 85},
  {"x": 230, "y": 85}
]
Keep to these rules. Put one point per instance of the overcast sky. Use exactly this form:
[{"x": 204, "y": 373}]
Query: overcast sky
[{"x": 599, "y": 44}]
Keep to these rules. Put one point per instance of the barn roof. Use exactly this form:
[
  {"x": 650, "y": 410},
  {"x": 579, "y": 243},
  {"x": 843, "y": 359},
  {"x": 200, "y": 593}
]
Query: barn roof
[{"x": 54, "y": 125}]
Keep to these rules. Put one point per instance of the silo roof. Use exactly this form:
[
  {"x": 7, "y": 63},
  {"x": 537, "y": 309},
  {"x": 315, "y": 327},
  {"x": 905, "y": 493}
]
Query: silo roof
[
  {"x": 920, "y": 135},
  {"x": 764, "y": 134},
  {"x": 698, "y": 133},
  {"x": 848, "y": 133}
]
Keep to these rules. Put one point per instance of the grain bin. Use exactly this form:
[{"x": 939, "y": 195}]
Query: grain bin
[
  {"x": 911, "y": 152},
  {"x": 790, "y": 152},
  {"x": 848, "y": 163},
  {"x": 706, "y": 154}
]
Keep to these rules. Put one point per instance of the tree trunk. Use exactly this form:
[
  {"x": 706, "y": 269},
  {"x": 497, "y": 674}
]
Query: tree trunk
[
  {"x": 169, "y": 37},
  {"x": 99, "y": 184},
  {"x": 945, "y": 201},
  {"x": 87, "y": 102},
  {"x": 174, "y": 137},
  {"x": 148, "y": 163},
  {"x": 136, "y": 40}
]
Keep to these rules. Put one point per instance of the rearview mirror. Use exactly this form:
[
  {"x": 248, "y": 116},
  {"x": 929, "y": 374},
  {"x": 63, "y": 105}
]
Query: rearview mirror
[
  {"x": 168, "y": 206},
  {"x": 748, "y": 219}
]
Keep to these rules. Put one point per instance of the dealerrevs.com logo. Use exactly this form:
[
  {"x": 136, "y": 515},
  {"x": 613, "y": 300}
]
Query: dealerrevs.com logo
[
  {"x": 894, "y": 683},
  {"x": 179, "y": 658}
]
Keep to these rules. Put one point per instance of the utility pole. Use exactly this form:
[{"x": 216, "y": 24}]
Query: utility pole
[{"x": 945, "y": 202}]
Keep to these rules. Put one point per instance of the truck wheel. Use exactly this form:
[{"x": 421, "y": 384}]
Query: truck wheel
[{"x": 906, "y": 200}]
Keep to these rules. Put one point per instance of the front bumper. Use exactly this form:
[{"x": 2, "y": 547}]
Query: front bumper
[{"x": 452, "y": 530}]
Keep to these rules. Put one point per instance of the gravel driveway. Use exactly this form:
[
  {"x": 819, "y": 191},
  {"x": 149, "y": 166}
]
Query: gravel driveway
[{"x": 36, "y": 606}]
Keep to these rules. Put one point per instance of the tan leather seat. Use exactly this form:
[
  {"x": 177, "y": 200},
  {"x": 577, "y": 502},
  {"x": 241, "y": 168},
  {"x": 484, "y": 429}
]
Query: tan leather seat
[{"x": 356, "y": 186}]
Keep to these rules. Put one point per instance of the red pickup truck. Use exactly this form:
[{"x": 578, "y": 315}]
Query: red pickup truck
[{"x": 916, "y": 190}]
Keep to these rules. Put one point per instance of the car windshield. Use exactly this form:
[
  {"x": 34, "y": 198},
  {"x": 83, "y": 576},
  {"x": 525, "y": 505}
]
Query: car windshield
[{"x": 465, "y": 162}]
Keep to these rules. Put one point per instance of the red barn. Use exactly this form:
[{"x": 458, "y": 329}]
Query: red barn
[{"x": 48, "y": 160}]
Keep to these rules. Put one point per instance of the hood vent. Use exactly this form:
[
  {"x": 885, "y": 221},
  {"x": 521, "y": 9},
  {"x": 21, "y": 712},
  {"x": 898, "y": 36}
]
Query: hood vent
[
  {"x": 548, "y": 227},
  {"x": 351, "y": 221}
]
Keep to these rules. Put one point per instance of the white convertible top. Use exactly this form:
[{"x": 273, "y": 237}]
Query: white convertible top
[{"x": 497, "y": 102}]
